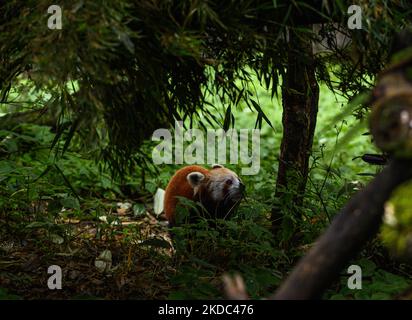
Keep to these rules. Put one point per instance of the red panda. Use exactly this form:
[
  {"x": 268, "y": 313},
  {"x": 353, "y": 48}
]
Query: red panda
[{"x": 219, "y": 190}]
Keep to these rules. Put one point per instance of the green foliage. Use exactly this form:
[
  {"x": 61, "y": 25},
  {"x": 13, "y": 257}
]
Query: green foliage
[
  {"x": 37, "y": 189},
  {"x": 377, "y": 284},
  {"x": 4, "y": 295},
  {"x": 396, "y": 232},
  {"x": 244, "y": 244},
  {"x": 120, "y": 69},
  {"x": 209, "y": 248}
]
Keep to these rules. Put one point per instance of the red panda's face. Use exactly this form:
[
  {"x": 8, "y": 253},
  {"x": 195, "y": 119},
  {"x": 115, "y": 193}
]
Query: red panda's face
[
  {"x": 224, "y": 185},
  {"x": 220, "y": 191}
]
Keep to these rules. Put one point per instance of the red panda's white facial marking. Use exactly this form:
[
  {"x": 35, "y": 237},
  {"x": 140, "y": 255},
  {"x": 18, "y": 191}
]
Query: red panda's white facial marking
[
  {"x": 224, "y": 185},
  {"x": 235, "y": 191}
]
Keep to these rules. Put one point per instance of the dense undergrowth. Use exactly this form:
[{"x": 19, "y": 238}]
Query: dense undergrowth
[{"x": 67, "y": 210}]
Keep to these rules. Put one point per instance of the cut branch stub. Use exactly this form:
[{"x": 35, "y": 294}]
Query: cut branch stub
[{"x": 391, "y": 117}]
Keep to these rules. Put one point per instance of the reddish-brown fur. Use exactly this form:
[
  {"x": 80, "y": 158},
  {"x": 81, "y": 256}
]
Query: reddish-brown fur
[{"x": 179, "y": 186}]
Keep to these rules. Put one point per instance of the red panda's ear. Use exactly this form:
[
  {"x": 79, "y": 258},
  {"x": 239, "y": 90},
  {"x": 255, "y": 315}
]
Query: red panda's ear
[
  {"x": 195, "y": 178},
  {"x": 215, "y": 166}
]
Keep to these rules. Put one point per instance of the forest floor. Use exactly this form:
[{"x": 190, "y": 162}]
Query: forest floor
[
  {"x": 122, "y": 255},
  {"x": 109, "y": 263}
]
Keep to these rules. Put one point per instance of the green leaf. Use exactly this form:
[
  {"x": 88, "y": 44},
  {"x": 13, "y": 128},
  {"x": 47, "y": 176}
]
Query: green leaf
[
  {"x": 55, "y": 238},
  {"x": 4, "y": 295},
  {"x": 261, "y": 113},
  {"x": 156, "y": 242},
  {"x": 368, "y": 267},
  {"x": 139, "y": 209},
  {"x": 70, "y": 203},
  {"x": 38, "y": 224},
  {"x": 228, "y": 118},
  {"x": 380, "y": 296}
]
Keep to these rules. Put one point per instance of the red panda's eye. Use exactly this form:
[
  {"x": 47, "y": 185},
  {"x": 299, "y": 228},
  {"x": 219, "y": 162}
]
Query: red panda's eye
[{"x": 229, "y": 182}]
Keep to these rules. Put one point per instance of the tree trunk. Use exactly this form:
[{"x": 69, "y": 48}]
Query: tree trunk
[
  {"x": 300, "y": 96},
  {"x": 357, "y": 222}
]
